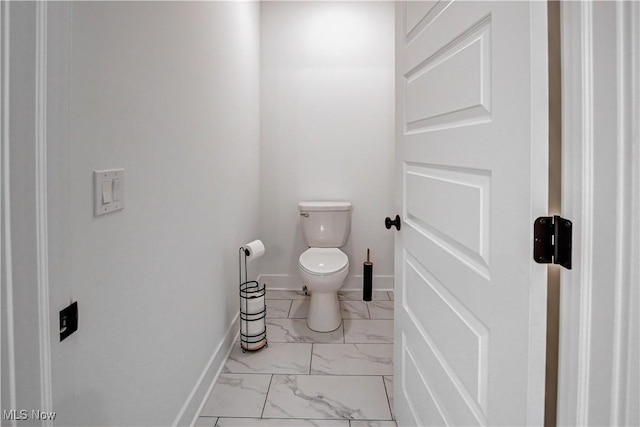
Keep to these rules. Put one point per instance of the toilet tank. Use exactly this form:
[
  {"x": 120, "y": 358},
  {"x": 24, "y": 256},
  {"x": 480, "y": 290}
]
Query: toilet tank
[{"x": 325, "y": 224}]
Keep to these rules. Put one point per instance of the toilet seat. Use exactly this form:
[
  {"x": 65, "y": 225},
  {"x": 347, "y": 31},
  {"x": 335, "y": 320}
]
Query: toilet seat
[{"x": 323, "y": 261}]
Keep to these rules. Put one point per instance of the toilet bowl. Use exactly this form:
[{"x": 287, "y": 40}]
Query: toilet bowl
[
  {"x": 323, "y": 270},
  {"x": 324, "y": 267}
]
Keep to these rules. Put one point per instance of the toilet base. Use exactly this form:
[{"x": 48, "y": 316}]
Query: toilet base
[{"x": 324, "y": 312}]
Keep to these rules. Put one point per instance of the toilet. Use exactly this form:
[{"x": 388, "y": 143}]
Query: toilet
[{"x": 324, "y": 266}]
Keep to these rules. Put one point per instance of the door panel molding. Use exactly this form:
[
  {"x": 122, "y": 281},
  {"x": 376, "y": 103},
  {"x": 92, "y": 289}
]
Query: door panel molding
[
  {"x": 422, "y": 411},
  {"x": 468, "y": 98},
  {"x": 468, "y": 370},
  {"x": 431, "y": 14},
  {"x": 465, "y": 229}
]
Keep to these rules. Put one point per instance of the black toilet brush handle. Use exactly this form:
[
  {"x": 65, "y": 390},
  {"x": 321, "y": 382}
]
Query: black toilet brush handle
[{"x": 367, "y": 281}]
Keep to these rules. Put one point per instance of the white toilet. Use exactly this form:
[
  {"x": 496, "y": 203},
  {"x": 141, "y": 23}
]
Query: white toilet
[{"x": 323, "y": 266}]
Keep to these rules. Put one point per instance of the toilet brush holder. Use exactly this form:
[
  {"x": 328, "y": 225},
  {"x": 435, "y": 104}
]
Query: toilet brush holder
[{"x": 367, "y": 279}]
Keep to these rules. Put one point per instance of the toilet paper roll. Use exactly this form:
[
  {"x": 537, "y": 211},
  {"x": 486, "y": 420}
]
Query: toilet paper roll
[
  {"x": 252, "y": 322},
  {"x": 254, "y": 328},
  {"x": 253, "y": 305},
  {"x": 252, "y": 331},
  {"x": 255, "y": 249}
]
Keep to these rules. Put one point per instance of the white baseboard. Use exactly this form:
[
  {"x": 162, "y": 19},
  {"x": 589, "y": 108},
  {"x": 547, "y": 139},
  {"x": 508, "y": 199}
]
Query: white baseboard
[
  {"x": 198, "y": 397},
  {"x": 353, "y": 282}
]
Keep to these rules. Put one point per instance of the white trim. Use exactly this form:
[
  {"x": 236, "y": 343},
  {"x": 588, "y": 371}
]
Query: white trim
[
  {"x": 578, "y": 382},
  {"x": 628, "y": 216},
  {"x": 623, "y": 214},
  {"x": 632, "y": 415},
  {"x": 42, "y": 244},
  {"x": 539, "y": 206},
  {"x": 586, "y": 212},
  {"x": 577, "y": 157},
  {"x": 199, "y": 395},
  {"x": 6, "y": 249},
  {"x": 352, "y": 282}
]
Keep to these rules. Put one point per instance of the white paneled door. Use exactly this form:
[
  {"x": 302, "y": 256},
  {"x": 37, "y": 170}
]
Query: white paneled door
[{"x": 471, "y": 153}]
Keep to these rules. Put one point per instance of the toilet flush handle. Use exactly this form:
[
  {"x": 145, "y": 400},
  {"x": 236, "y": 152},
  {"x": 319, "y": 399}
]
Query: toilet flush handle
[{"x": 305, "y": 214}]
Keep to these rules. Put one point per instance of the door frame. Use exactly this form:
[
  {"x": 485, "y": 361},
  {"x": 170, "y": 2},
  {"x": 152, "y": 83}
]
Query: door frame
[
  {"x": 577, "y": 384},
  {"x": 26, "y": 306}
]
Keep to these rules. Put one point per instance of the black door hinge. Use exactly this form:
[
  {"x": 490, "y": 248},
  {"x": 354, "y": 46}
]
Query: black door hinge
[{"x": 552, "y": 241}]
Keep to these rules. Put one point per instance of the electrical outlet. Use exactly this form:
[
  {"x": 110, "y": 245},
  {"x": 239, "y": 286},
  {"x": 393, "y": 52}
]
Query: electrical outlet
[{"x": 68, "y": 320}]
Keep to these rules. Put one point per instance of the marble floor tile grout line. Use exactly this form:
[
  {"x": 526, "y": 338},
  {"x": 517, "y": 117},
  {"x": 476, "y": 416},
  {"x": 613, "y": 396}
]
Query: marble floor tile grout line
[
  {"x": 386, "y": 390},
  {"x": 311, "y": 359},
  {"x": 299, "y": 418},
  {"x": 321, "y": 375},
  {"x": 290, "y": 307},
  {"x": 266, "y": 395},
  {"x": 305, "y": 419}
]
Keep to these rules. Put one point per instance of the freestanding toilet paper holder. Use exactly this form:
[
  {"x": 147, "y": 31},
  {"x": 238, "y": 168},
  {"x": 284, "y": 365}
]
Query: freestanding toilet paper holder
[{"x": 253, "y": 310}]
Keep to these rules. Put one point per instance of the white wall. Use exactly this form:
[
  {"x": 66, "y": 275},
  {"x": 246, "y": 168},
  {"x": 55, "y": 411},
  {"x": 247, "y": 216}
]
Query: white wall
[
  {"x": 327, "y": 120},
  {"x": 170, "y": 93}
]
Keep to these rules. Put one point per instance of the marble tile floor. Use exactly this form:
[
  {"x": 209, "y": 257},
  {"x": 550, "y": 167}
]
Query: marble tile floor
[{"x": 305, "y": 378}]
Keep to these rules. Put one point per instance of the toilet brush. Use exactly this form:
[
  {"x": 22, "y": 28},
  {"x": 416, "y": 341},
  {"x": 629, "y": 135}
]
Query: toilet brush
[{"x": 367, "y": 283}]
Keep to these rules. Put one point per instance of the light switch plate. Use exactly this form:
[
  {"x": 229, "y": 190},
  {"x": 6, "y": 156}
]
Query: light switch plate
[{"x": 104, "y": 199}]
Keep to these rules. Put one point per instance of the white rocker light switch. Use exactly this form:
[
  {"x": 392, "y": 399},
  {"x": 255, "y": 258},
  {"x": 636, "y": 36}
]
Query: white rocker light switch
[{"x": 108, "y": 191}]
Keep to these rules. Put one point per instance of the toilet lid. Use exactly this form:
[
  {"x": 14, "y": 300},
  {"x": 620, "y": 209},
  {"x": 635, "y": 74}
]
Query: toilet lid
[{"x": 323, "y": 261}]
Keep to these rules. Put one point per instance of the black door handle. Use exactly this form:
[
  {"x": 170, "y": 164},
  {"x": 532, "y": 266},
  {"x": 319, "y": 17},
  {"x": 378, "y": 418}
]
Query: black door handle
[{"x": 396, "y": 222}]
